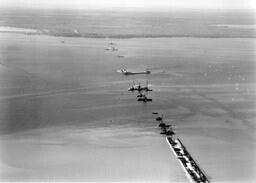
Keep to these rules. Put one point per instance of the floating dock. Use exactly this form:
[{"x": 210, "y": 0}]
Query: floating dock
[{"x": 189, "y": 166}]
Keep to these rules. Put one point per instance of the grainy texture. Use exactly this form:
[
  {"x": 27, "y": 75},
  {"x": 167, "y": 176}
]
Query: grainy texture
[{"x": 66, "y": 114}]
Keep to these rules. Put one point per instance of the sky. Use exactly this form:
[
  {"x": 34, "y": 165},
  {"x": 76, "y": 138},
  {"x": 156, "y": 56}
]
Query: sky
[{"x": 130, "y": 4}]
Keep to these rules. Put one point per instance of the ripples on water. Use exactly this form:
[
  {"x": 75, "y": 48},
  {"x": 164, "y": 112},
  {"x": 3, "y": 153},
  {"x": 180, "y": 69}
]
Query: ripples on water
[{"x": 132, "y": 24}]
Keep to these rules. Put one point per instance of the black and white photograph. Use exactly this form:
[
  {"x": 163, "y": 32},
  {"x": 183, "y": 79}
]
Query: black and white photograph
[{"x": 128, "y": 91}]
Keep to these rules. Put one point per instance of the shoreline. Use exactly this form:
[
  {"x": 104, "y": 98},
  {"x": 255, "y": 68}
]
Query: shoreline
[{"x": 45, "y": 32}]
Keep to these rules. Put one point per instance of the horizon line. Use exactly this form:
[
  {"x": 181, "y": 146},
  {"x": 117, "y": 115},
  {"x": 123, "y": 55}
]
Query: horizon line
[{"x": 117, "y": 9}]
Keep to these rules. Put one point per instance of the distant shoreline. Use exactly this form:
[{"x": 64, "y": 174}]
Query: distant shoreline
[{"x": 76, "y": 33}]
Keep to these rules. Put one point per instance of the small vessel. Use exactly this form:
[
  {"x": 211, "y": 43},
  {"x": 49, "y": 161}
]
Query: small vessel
[{"x": 126, "y": 72}]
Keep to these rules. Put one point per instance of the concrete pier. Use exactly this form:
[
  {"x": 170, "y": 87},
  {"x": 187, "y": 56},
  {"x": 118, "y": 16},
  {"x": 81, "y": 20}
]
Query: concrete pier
[{"x": 189, "y": 166}]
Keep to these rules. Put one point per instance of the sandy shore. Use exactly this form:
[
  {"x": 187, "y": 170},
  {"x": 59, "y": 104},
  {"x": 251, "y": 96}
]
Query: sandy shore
[{"x": 66, "y": 114}]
